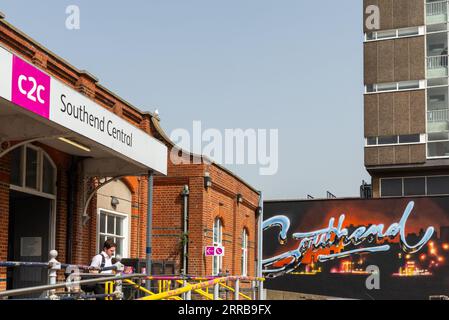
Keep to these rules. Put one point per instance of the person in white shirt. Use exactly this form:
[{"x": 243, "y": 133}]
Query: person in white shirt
[{"x": 103, "y": 260}]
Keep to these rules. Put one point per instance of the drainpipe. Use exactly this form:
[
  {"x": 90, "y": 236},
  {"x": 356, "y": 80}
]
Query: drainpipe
[
  {"x": 185, "y": 195},
  {"x": 149, "y": 227},
  {"x": 71, "y": 203},
  {"x": 260, "y": 245}
]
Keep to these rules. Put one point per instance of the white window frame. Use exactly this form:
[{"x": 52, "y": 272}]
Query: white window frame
[
  {"x": 38, "y": 192},
  {"x": 435, "y": 86},
  {"x": 438, "y": 157},
  {"x": 421, "y": 86},
  {"x": 420, "y": 29},
  {"x": 427, "y": 122},
  {"x": 422, "y": 140},
  {"x": 244, "y": 252},
  {"x": 217, "y": 261},
  {"x": 411, "y": 177},
  {"x": 125, "y": 228}
]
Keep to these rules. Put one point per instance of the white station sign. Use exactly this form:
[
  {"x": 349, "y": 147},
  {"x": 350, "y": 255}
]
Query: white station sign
[{"x": 30, "y": 88}]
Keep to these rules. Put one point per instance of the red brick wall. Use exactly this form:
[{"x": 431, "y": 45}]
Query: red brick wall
[
  {"x": 143, "y": 206},
  {"x": 168, "y": 219},
  {"x": 4, "y": 216},
  {"x": 221, "y": 202},
  {"x": 195, "y": 227},
  {"x": 204, "y": 207},
  {"x": 85, "y": 235},
  {"x": 133, "y": 185},
  {"x": 168, "y": 204}
]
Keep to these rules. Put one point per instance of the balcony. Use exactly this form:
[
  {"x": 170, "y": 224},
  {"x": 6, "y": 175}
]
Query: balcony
[
  {"x": 438, "y": 115},
  {"x": 438, "y": 120},
  {"x": 437, "y": 12},
  {"x": 437, "y": 66}
]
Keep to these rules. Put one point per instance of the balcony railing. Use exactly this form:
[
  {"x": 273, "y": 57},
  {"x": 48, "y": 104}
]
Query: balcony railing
[
  {"x": 437, "y": 8},
  {"x": 436, "y": 62},
  {"x": 438, "y": 115}
]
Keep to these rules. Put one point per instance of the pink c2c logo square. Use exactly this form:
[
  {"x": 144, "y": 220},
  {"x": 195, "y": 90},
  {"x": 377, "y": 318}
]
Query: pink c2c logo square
[{"x": 30, "y": 88}]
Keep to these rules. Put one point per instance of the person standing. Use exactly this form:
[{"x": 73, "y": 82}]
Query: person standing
[{"x": 104, "y": 260}]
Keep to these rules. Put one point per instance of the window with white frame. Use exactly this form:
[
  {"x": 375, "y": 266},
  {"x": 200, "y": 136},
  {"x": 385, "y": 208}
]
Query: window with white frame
[
  {"x": 244, "y": 260},
  {"x": 414, "y": 186},
  {"x": 32, "y": 170},
  {"x": 438, "y": 120},
  {"x": 113, "y": 226},
  {"x": 394, "y": 33},
  {"x": 395, "y": 140},
  {"x": 217, "y": 262},
  {"x": 395, "y": 86}
]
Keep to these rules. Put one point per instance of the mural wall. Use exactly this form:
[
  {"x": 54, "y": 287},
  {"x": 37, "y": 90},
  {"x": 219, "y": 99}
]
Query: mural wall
[{"x": 332, "y": 247}]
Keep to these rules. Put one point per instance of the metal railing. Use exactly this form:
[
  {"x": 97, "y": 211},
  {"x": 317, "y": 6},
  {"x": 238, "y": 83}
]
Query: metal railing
[
  {"x": 221, "y": 287},
  {"x": 181, "y": 287},
  {"x": 438, "y": 115},
  {"x": 437, "y": 8},
  {"x": 436, "y": 62},
  {"x": 73, "y": 282}
]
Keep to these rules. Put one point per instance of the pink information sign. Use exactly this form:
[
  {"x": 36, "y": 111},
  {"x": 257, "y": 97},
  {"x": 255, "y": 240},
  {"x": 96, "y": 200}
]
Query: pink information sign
[
  {"x": 214, "y": 251},
  {"x": 30, "y": 88},
  {"x": 210, "y": 251}
]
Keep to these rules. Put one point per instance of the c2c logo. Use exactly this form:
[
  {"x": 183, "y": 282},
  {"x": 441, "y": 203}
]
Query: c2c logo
[
  {"x": 33, "y": 94},
  {"x": 30, "y": 88}
]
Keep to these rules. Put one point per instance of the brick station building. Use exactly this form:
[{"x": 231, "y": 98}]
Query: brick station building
[
  {"x": 68, "y": 181},
  {"x": 222, "y": 210}
]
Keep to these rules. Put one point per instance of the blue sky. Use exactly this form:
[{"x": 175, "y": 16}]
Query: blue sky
[{"x": 291, "y": 65}]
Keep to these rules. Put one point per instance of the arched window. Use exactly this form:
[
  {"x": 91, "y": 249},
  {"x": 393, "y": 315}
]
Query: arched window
[
  {"x": 244, "y": 260},
  {"x": 217, "y": 263},
  {"x": 33, "y": 171}
]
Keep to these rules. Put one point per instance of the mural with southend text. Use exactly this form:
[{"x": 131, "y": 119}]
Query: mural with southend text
[{"x": 325, "y": 247}]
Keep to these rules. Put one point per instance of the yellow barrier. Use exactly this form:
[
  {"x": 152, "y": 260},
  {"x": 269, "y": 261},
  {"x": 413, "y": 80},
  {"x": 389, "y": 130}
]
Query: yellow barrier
[
  {"x": 177, "y": 292},
  {"x": 143, "y": 289},
  {"x": 139, "y": 287},
  {"x": 200, "y": 291},
  {"x": 233, "y": 290},
  {"x": 202, "y": 288},
  {"x": 109, "y": 289}
]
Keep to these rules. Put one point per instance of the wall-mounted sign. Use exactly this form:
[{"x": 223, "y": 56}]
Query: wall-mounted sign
[
  {"x": 31, "y": 247},
  {"x": 34, "y": 90},
  {"x": 30, "y": 88},
  {"x": 328, "y": 247},
  {"x": 214, "y": 251}
]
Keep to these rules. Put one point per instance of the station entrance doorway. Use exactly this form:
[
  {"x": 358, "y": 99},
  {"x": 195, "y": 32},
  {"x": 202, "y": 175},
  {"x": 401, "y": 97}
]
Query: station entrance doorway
[
  {"x": 32, "y": 203},
  {"x": 29, "y": 237}
]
